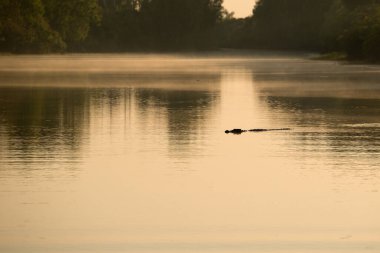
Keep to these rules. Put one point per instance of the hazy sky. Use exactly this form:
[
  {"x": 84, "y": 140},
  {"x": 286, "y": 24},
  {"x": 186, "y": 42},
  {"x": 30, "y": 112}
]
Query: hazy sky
[{"x": 242, "y": 8}]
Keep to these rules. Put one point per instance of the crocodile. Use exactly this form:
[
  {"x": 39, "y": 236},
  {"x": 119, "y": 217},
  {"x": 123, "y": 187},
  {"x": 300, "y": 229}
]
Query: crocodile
[{"x": 240, "y": 131}]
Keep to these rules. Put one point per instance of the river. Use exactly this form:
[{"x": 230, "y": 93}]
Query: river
[{"x": 127, "y": 153}]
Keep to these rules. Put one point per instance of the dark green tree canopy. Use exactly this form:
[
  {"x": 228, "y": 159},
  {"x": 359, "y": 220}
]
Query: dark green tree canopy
[
  {"x": 157, "y": 24},
  {"x": 39, "y": 26},
  {"x": 23, "y": 27},
  {"x": 72, "y": 19},
  {"x": 289, "y": 24},
  {"x": 348, "y": 26},
  {"x": 45, "y": 25}
]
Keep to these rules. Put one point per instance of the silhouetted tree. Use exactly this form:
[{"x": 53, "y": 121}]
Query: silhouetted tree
[
  {"x": 157, "y": 24},
  {"x": 350, "y": 26},
  {"x": 180, "y": 23},
  {"x": 288, "y": 24}
]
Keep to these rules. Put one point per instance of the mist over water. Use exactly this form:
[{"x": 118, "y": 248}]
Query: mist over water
[{"x": 127, "y": 153}]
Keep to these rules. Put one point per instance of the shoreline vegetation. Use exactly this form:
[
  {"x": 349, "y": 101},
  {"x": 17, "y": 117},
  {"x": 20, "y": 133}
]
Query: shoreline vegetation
[{"x": 346, "y": 30}]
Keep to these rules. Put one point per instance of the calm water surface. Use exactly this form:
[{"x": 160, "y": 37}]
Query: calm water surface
[{"x": 127, "y": 153}]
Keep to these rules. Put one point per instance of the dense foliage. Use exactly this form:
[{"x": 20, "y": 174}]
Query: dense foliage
[
  {"x": 23, "y": 27},
  {"x": 348, "y": 26},
  {"x": 157, "y": 24},
  {"x": 108, "y": 25},
  {"x": 45, "y": 25},
  {"x": 360, "y": 33}
]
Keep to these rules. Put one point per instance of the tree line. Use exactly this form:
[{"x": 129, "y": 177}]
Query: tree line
[
  {"x": 42, "y": 26},
  {"x": 351, "y": 27}
]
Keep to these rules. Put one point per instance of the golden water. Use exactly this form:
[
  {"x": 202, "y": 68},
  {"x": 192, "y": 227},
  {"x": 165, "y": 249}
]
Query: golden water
[{"x": 127, "y": 153}]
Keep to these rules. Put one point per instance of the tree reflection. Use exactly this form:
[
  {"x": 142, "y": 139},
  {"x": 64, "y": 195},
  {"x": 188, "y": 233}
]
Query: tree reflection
[
  {"x": 49, "y": 127},
  {"x": 44, "y": 125},
  {"x": 188, "y": 114}
]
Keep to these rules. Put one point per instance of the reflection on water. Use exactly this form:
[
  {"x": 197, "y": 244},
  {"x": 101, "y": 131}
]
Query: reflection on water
[
  {"x": 186, "y": 114},
  {"x": 42, "y": 129},
  {"x": 346, "y": 130},
  {"x": 127, "y": 153}
]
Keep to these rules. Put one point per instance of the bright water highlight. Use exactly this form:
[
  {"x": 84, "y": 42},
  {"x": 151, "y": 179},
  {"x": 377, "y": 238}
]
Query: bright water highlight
[{"x": 127, "y": 153}]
